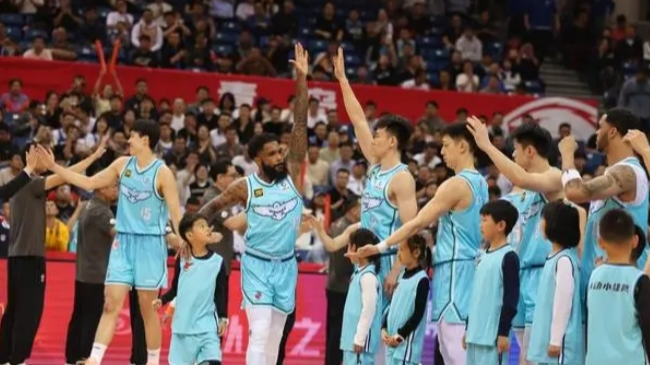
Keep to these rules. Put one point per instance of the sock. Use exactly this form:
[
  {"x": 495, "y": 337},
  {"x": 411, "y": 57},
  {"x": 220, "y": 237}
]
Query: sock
[
  {"x": 153, "y": 357},
  {"x": 97, "y": 352}
]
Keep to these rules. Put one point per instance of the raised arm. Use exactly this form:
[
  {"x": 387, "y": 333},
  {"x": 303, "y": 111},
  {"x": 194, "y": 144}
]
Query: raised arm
[
  {"x": 547, "y": 182},
  {"x": 236, "y": 193},
  {"x": 331, "y": 244},
  {"x": 169, "y": 190},
  {"x": 354, "y": 110},
  {"x": 298, "y": 142},
  {"x": 237, "y": 223},
  {"x": 639, "y": 143}
]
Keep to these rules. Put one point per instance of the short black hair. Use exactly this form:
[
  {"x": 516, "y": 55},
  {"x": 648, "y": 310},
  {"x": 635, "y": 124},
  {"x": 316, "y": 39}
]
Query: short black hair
[
  {"x": 362, "y": 237},
  {"x": 257, "y": 143},
  {"x": 458, "y": 131},
  {"x": 398, "y": 127},
  {"x": 219, "y": 168},
  {"x": 616, "y": 226},
  {"x": 637, "y": 252},
  {"x": 532, "y": 134},
  {"x": 501, "y": 211},
  {"x": 342, "y": 170},
  {"x": 187, "y": 223},
  {"x": 147, "y": 128},
  {"x": 623, "y": 120},
  {"x": 193, "y": 201},
  {"x": 562, "y": 223}
]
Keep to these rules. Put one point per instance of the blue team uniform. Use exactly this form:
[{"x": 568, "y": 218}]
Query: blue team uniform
[
  {"x": 533, "y": 251},
  {"x": 269, "y": 270},
  {"x": 518, "y": 200},
  {"x": 195, "y": 324},
  {"x": 485, "y": 310},
  {"x": 613, "y": 331},
  {"x": 458, "y": 242},
  {"x": 139, "y": 253},
  {"x": 639, "y": 212},
  {"x": 572, "y": 351},
  {"x": 401, "y": 309},
  {"x": 351, "y": 316}
]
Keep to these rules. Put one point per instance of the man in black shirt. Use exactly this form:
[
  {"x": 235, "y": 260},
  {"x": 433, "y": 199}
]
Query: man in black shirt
[{"x": 143, "y": 56}]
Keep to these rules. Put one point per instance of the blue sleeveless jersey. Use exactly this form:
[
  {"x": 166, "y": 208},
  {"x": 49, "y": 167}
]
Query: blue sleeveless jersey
[
  {"x": 517, "y": 199},
  {"x": 487, "y": 298},
  {"x": 459, "y": 234},
  {"x": 140, "y": 208},
  {"x": 401, "y": 309},
  {"x": 639, "y": 212},
  {"x": 195, "y": 310},
  {"x": 378, "y": 213},
  {"x": 573, "y": 350},
  {"x": 274, "y": 211},
  {"x": 352, "y": 313},
  {"x": 534, "y": 248},
  {"x": 613, "y": 331}
]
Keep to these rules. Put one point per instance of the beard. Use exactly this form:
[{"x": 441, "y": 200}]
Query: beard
[{"x": 275, "y": 173}]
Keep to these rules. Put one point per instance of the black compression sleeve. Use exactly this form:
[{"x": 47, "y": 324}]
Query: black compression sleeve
[
  {"x": 171, "y": 293},
  {"x": 642, "y": 303},
  {"x": 421, "y": 298},
  {"x": 510, "y": 268},
  {"x": 220, "y": 293}
]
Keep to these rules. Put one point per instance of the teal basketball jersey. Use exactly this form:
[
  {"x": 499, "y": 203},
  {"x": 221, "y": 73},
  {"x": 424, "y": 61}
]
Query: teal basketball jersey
[
  {"x": 352, "y": 313},
  {"x": 273, "y": 212},
  {"x": 459, "y": 234},
  {"x": 401, "y": 309},
  {"x": 140, "y": 208},
  {"x": 638, "y": 210},
  {"x": 573, "y": 350},
  {"x": 534, "y": 248},
  {"x": 378, "y": 213},
  {"x": 517, "y": 199},
  {"x": 613, "y": 331},
  {"x": 195, "y": 310},
  {"x": 487, "y": 298}
]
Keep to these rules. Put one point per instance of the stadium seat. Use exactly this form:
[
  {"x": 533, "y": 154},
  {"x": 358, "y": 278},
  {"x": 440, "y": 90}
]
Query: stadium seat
[
  {"x": 352, "y": 60},
  {"x": 231, "y": 26},
  {"x": 629, "y": 68},
  {"x": 316, "y": 46},
  {"x": 12, "y": 20},
  {"x": 534, "y": 86},
  {"x": 223, "y": 49},
  {"x": 102, "y": 11},
  {"x": 226, "y": 38},
  {"x": 15, "y": 33},
  {"x": 30, "y": 34}
]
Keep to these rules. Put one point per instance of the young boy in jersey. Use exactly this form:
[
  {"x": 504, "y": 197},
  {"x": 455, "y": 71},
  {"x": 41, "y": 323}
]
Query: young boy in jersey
[
  {"x": 557, "y": 335},
  {"x": 404, "y": 326},
  {"x": 362, "y": 313},
  {"x": 200, "y": 309},
  {"x": 618, "y": 298},
  {"x": 495, "y": 294}
]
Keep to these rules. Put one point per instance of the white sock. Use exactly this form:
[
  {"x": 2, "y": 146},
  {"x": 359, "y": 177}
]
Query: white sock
[
  {"x": 153, "y": 357},
  {"x": 97, "y": 352}
]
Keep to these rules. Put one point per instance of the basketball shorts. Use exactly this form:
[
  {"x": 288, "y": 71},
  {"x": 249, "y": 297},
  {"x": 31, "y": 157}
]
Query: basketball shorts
[
  {"x": 452, "y": 290},
  {"x": 392, "y": 360},
  {"x": 485, "y": 355},
  {"x": 269, "y": 281},
  {"x": 138, "y": 261},
  {"x": 387, "y": 260},
  {"x": 529, "y": 283},
  {"x": 364, "y": 358},
  {"x": 190, "y": 349}
]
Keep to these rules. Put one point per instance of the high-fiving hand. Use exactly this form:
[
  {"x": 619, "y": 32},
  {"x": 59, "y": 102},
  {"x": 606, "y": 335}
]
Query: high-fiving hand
[
  {"x": 301, "y": 62},
  {"x": 339, "y": 65}
]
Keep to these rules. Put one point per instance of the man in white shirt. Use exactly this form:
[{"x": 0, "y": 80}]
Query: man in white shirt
[
  {"x": 38, "y": 51},
  {"x": 469, "y": 46},
  {"x": 120, "y": 15},
  {"x": 315, "y": 113},
  {"x": 147, "y": 26},
  {"x": 419, "y": 82},
  {"x": 178, "y": 114},
  {"x": 159, "y": 8},
  {"x": 245, "y": 9},
  {"x": 28, "y": 6}
]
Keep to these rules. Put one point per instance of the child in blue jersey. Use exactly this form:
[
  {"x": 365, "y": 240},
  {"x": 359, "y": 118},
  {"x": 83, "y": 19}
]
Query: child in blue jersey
[
  {"x": 557, "y": 334},
  {"x": 495, "y": 294},
  {"x": 362, "y": 313},
  {"x": 618, "y": 298},
  {"x": 200, "y": 310},
  {"x": 404, "y": 326}
]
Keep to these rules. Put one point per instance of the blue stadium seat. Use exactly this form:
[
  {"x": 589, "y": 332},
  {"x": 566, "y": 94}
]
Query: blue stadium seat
[
  {"x": 629, "y": 68},
  {"x": 30, "y": 34},
  {"x": 442, "y": 54},
  {"x": 352, "y": 60},
  {"x": 534, "y": 87},
  {"x": 226, "y": 38},
  {"x": 264, "y": 41},
  {"x": 12, "y": 20},
  {"x": 432, "y": 67},
  {"x": 433, "y": 78},
  {"x": 306, "y": 21},
  {"x": 347, "y": 46},
  {"x": 15, "y": 33},
  {"x": 102, "y": 11},
  {"x": 429, "y": 42},
  {"x": 223, "y": 49},
  {"x": 442, "y": 63},
  {"x": 495, "y": 49},
  {"x": 317, "y": 46},
  {"x": 304, "y": 32},
  {"x": 231, "y": 26},
  {"x": 351, "y": 72},
  {"x": 88, "y": 52}
]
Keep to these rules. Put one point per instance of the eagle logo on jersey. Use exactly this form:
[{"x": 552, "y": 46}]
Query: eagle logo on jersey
[
  {"x": 134, "y": 196},
  {"x": 368, "y": 202},
  {"x": 277, "y": 211}
]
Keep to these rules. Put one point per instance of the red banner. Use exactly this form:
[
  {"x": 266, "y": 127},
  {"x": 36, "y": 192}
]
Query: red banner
[{"x": 39, "y": 77}]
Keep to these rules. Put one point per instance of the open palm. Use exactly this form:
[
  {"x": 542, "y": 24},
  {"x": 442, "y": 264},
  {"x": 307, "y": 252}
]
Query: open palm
[
  {"x": 339, "y": 65},
  {"x": 301, "y": 62}
]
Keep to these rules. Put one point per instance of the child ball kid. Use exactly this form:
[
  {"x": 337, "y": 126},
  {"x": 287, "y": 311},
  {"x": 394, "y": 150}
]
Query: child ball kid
[
  {"x": 557, "y": 335},
  {"x": 362, "y": 313},
  {"x": 495, "y": 294},
  {"x": 200, "y": 311},
  {"x": 404, "y": 327},
  {"x": 618, "y": 298}
]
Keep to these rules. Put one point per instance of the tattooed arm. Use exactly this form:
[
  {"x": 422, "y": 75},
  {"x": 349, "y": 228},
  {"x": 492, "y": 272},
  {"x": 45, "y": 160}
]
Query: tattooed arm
[
  {"x": 236, "y": 193},
  {"x": 298, "y": 142},
  {"x": 618, "y": 180}
]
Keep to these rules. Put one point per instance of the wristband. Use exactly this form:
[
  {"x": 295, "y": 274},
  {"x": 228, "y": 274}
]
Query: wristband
[
  {"x": 382, "y": 246},
  {"x": 568, "y": 175}
]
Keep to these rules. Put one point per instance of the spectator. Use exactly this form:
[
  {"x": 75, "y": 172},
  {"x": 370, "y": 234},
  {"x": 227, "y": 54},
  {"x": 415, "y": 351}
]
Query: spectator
[
  {"x": 635, "y": 95},
  {"x": 28, "y": 6},
  {"x": 344, "y": 162},
  {"x": 339, "y": 192},
  {"x": 14, "y": 101},
  {"x": 147, "y": 26},
  {"x": 119, "y": 16},
  {"x": 508, "y": 76},
  {"x": 357, "y": 180},
  {"x": 66, "y": 18},
  {"x": 222, "y": 9},
  {"x": 326, "y": 26},
  {"x": 91, "y": 28},
  {"x": 453, "y": 33},
  {"x": 57, "y": 235},
  {"x": 259, "y": 22},
  {"x": 285, "y": 22},
  {"x": 469, "y": 46},
  {"x": 16, "y": 165},
  {"x": 317, "y": 168},
  {"x": 61, "y": 48},
  {"x": 418, "y": 21},
  {"x": 159, "y": 8},
  {"x": 629, "y": 49},
  {"x": 486, "y": 32},
  {"x": 418, "y": 82},
  {"x": 231, "y": 147},
  {"x": 493, "y": 85},
  {"x": 38, "y": 50},
  {"x": 173, "y": 55},
  {"x": 646, "y": 51},
  {"x": 542, "y": 20},
  {"x": 245, "y": 9},
  {"x": 467, "y": 81}
]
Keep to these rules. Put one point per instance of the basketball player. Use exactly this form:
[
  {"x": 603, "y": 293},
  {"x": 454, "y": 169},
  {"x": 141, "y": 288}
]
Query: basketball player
[
  {"x": 624, "y": 184},
  {"x": 274, "y": 207},
  {"x": 138, "y": 258},
  {"x": 456, "y": 207}
]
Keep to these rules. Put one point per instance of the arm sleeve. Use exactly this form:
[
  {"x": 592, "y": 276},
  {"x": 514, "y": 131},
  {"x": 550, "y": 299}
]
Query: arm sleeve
[
  {"x": 510, "y": 267},
  {"x": 220, "y": 293},
  {"x": 12, "y": 187},
  {"x": 369, "y": 285},
  {"x": 562, "y": 300},
  {"x": 642, "y": 302},
  {"x": 421, "y": 296},
  {"x": 171, "y": 293}
]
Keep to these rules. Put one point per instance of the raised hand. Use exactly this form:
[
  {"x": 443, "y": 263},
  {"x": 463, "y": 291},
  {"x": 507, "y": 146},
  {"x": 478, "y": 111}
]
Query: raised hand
[
  {"x": 101, "y": 147},
  {"x": 568, "y": 146},
  {"x": 638, "y": 140},
  {"x": 215, "y": 237},
  {"x": 45, "y": 157},
  {"x": 301, "y": 62},
  {"x": 479, "y": 131},
  {"x": 339, "y": 65},
  {"x": 31, "y": 157}
]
